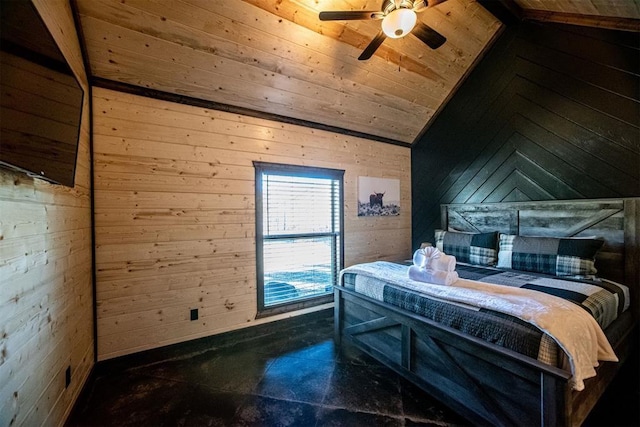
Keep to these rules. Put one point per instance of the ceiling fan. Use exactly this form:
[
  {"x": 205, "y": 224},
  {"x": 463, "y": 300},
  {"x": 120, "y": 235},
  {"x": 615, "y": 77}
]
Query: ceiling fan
[{"x": 398, "y": 19}]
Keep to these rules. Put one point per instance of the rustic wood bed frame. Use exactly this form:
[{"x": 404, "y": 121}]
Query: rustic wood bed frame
[{"x": 483, "y": 382}]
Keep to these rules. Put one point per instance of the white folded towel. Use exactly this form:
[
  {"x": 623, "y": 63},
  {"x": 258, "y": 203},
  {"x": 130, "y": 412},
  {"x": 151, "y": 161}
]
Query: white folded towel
[
  {"x": 444, "y": 263},
  {"x": 422, "y": 257},
  {"x": 431, "y": 258},
  {"x": 436, "y": 277}
]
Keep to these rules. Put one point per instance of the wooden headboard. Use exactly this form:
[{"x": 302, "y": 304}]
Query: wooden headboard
[{"x": 617, "y": 221}]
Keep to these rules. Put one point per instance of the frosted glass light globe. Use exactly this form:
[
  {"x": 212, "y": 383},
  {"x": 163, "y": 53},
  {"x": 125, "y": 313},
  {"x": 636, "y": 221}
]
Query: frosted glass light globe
[{"x": 399, "y": 23}]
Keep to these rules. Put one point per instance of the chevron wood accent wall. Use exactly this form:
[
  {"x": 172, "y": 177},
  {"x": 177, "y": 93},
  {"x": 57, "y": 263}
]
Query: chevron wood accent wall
[{"x": 551, "y": 113}]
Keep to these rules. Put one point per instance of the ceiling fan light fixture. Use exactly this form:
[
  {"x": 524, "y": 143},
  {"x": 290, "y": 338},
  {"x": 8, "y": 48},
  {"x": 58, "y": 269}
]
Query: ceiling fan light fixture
[{"x": 399, "y": 23}]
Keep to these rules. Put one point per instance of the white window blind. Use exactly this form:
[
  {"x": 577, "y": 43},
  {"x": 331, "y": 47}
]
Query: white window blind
[{"x": 300, "y": 233}]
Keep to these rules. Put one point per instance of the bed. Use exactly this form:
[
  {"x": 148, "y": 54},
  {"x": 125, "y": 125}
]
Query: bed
[{"x": 489, "y": 383}]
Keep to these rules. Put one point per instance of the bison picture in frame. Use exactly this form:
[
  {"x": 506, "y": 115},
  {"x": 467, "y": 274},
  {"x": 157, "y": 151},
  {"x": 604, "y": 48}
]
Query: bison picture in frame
[{"x": 378, "y": 196}]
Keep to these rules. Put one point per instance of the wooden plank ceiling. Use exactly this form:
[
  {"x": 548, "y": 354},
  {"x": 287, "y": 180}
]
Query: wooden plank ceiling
[{"x": 278, "y": 58}]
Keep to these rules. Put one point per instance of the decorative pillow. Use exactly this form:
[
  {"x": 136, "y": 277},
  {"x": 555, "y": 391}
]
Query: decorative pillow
[
  {"x": 549, "y": 255},
  {"x": 472, "y": 248}
]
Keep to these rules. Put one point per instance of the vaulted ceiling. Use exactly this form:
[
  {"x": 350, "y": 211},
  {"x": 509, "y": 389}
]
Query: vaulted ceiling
[{"x": 278, "y": 58}]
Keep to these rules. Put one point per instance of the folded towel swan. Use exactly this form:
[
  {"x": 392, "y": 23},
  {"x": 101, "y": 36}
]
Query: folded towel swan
[
  {"x": 435, "y": 277},
  {"x": 431, "y": 258}
]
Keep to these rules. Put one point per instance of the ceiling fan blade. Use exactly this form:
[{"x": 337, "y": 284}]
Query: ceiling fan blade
[
  {"x": 373, "y": 46},
  {"x": 350, "y": 15},
  {"x": 428, "y": 35}
]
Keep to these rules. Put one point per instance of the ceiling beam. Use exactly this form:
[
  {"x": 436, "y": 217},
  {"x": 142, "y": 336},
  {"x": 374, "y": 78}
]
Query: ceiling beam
[
  {"x": 610, "y": 22},
  {"x": 598, "y": 21}
]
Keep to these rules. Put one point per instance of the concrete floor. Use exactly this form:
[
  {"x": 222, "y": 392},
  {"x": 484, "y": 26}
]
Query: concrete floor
[{"x": 288, "y": 374}]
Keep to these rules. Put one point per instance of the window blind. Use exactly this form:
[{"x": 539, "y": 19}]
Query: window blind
[{"x": 300, "y": 234}]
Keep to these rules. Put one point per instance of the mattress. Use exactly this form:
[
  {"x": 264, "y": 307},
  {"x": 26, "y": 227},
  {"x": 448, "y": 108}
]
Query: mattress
[{"x": 604, "y": 300}]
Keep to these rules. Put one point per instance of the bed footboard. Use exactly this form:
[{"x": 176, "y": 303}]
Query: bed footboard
[{"x": 482, "y": 382}]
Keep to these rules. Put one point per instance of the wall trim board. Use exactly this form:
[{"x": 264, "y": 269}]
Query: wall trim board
[
  {"x": 87, "y": 67},
  {"x": 229, "y": 338},
  {"x": 212, "y": 105}
]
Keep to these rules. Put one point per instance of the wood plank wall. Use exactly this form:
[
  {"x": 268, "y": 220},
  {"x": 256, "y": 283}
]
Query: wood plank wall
[
  {"x": 551, "y": 113},
  {"x": 175, "y": 218},
  {"x": 46, "y": 313}
]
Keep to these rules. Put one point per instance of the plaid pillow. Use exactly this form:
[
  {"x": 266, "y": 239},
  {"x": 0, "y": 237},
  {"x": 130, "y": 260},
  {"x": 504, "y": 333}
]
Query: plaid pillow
[
  {"x": 549, "y": 255},
  {"x": 472, "y": 248}
]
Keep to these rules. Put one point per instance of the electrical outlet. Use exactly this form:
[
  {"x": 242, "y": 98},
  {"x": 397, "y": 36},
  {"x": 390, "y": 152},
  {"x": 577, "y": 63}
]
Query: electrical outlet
[
  {"x": 67, "y": 377},
  {"x": 194, "y": 314}
]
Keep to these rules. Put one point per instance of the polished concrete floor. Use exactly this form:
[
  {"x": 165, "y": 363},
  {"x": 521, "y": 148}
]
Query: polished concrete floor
[{"x": 285, "y": 375}]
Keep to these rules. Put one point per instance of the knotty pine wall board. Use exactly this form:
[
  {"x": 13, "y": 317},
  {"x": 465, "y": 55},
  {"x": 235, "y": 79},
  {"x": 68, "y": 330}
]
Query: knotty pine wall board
[
  {"x": 175, "y": 214},
  {"x": 46, "y": 302}
]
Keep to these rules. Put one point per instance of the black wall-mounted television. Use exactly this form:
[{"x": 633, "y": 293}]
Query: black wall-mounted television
[{"x": 41, "y": 100}]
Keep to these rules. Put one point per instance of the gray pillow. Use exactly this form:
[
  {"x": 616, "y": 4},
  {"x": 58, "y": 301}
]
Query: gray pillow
[{"x": 472, "y": 248}]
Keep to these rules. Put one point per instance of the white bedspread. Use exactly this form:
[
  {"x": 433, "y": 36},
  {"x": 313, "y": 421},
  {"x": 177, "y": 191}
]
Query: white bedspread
[{"x": 575, "y": 330}]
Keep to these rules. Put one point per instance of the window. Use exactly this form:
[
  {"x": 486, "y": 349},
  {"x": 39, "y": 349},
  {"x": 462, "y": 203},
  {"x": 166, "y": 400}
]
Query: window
[{"x": 299, "y": 243}]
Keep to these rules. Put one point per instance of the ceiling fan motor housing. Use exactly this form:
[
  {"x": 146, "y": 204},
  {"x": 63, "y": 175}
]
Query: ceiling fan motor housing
[
  {"x": 389, "y": 6},
  {"x": 399, "y": 17}
]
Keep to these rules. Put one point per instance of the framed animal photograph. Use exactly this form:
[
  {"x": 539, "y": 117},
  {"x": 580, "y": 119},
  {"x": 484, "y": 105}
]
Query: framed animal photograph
[{"x": 378, "y": 196}]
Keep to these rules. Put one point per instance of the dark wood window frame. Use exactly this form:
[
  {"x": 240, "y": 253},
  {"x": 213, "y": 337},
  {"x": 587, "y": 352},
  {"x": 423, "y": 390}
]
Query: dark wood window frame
[{"x": 298, "y": 171}]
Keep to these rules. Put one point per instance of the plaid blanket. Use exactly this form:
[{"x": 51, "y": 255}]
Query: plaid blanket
[
  {"x": 520, "y": 335},
  {"x": 605, "y": 300},
  {"x": 492, "y": 326}
]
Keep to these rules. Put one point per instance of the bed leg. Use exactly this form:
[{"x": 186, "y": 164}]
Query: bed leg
[
  {"x": 337, "y": 317},
  {"x": 406, "y": 347},
  {"x": 552, "y": 402}
]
